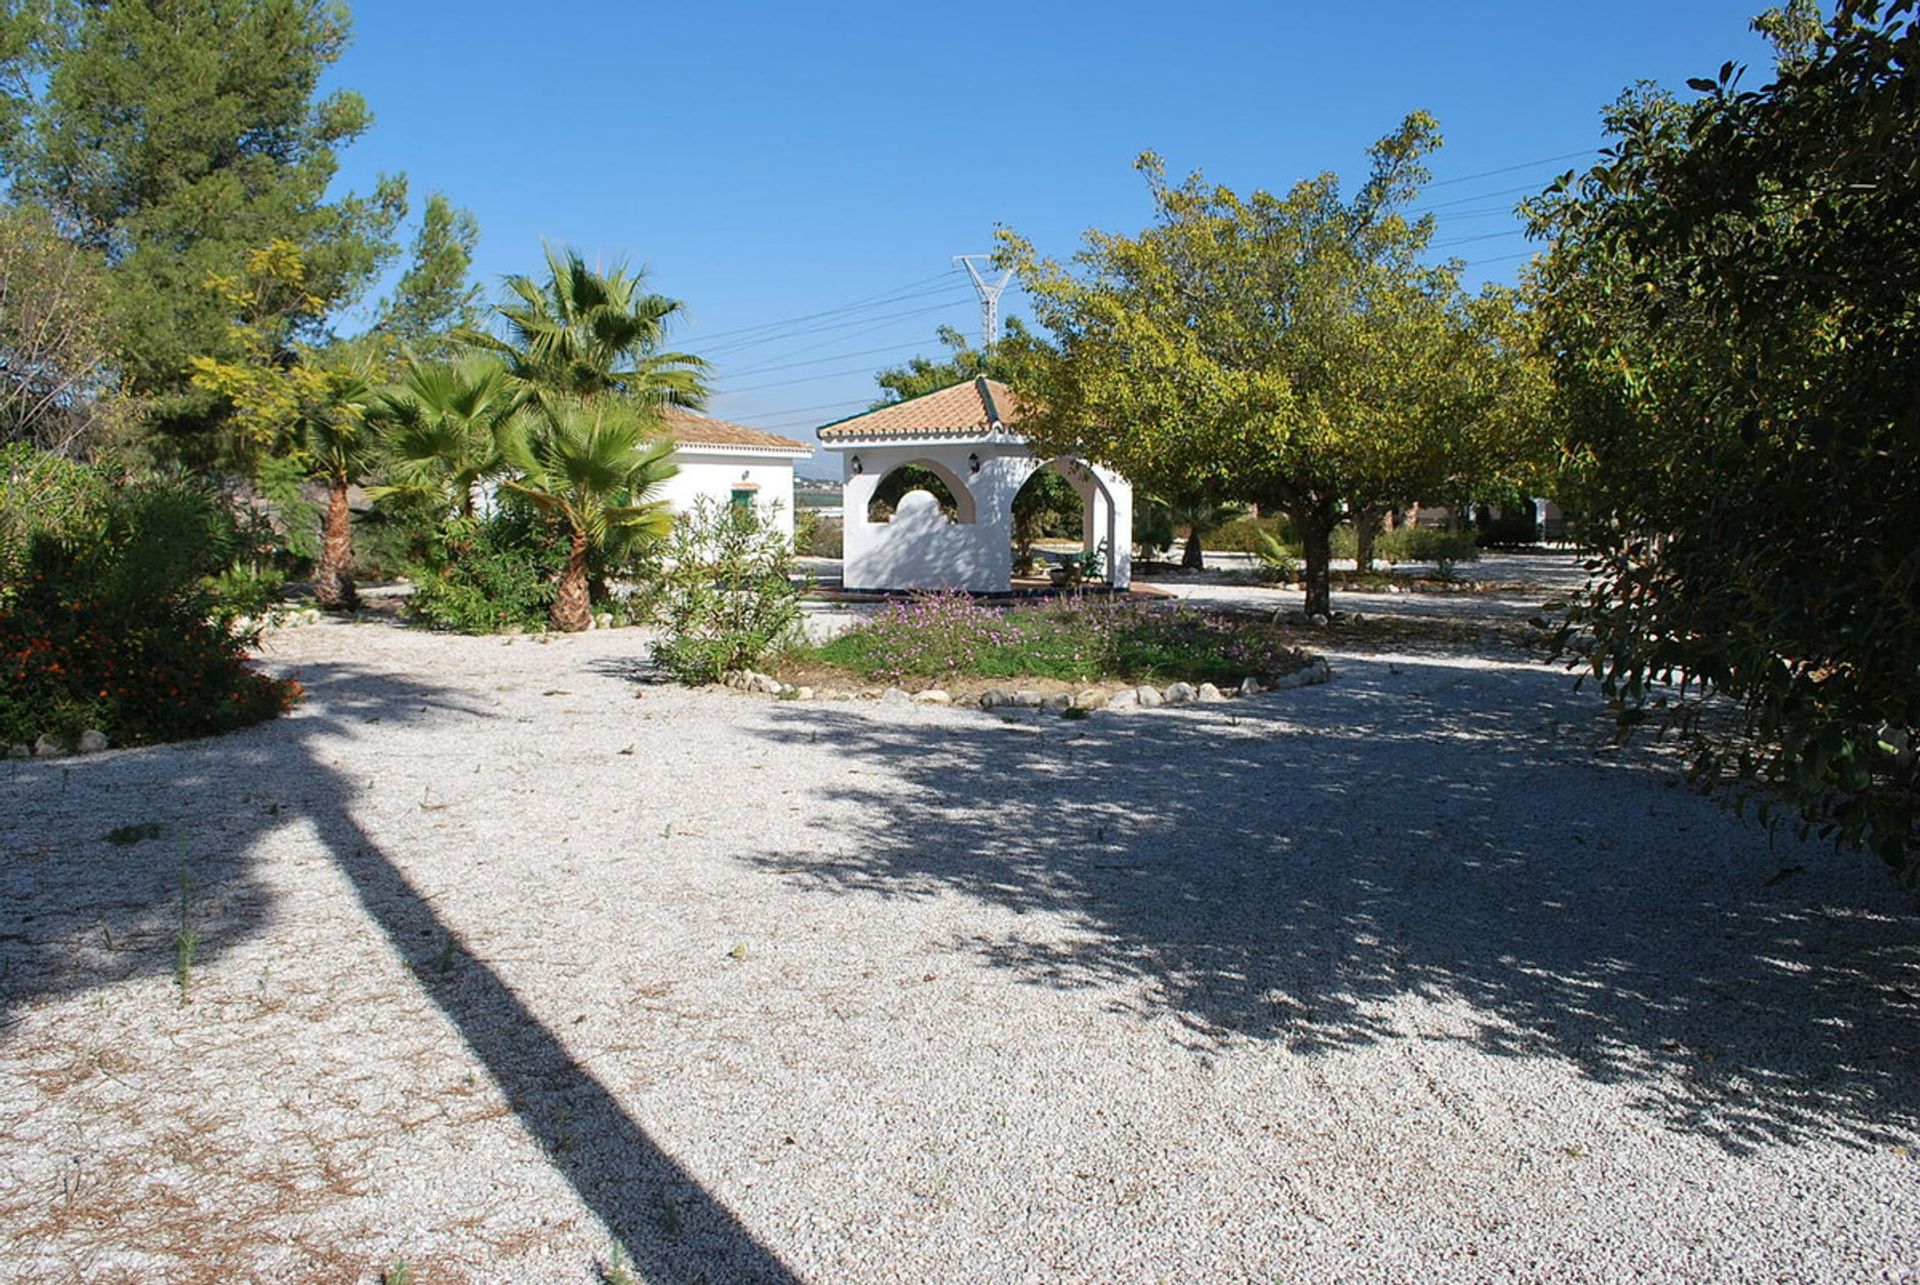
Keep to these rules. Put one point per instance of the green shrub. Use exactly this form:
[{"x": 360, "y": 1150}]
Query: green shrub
[
  {"x": 1277, "y": 561},
  {"x": 818, "y": 537},
  {"x": 948, "y": 635},
  {"x": 114, "y": 624},
  {"x": 1412, "y": 544},
  {"x": 1244, "y": 535},
  {"x": 42, "y": 494},
  {"x": 487, "y": 575},
  {"x": 724, "y": 597}
]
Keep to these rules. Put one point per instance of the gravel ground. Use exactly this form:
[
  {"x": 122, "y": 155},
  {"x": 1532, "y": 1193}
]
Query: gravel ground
[{"x": 507, "y": 951}]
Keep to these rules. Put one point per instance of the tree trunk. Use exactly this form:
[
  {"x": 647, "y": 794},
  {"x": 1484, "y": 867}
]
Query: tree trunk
[
  {"x": 572, "y": 606},
  {"x": 1366, "y": 526},
  {"x": 1193, "y": 558},
  {"x": 333, "y": 574},
  {"x": 1316, "y": 551}
]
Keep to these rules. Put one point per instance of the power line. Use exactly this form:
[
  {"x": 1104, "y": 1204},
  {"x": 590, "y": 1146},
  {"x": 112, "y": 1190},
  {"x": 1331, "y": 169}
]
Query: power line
[
  {"x": 1509, "y": 169},
  {"x": 865, "y": 325},
  {"x": 820, "y": 361},
  {"x": 794, "y": 414},
  {"x": 740, "y": 345},
  {"x": 1484, "y": 236},
  {"x": 885, "y": 296},
  {"x": 1477, "y": 196}
]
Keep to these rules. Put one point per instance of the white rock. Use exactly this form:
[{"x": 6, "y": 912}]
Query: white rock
[
  {"x": 1026, "y": 700},
  {"x": 933, "y": 696},
  {"x": 1317, "y": 620},
  {"x": 1149, "y": 697},
  {"x": 1123, "y": 700},
  {"x": 1092, "y": 698},
  {"x": 1208, "y": 692},
  {"x": 92, "y": 741},
  {"x": 17, "y": 751},
  {"x": 1060, "y": 700},
  {"x": 1179, "y": 694},
  {"x": 46, "y": 747},
  {"x": 803, "y": 693},
  {"x": 994, "y": 698},
  {"x": 1251, "y": 686},
  {"x": 895, "y": 696}
]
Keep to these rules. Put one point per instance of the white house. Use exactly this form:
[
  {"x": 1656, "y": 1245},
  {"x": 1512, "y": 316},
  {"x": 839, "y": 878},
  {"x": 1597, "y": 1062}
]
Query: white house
[
  {"x": 968, "y": 435},
  {"x": 731, "y": 464}
]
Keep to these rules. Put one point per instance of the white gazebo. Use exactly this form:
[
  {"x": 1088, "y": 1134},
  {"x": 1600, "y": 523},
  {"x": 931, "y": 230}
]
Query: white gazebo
[{"x": 968, "y": 435}]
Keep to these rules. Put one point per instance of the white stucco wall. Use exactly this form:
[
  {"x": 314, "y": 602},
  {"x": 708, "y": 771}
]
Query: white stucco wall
[
  {"x": 716, "y": 473},
  {"x": 921, "y": 549}
]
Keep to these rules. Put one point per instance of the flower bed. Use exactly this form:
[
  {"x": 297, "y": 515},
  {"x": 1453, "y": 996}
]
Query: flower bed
[{"x": 944, "y": 637}]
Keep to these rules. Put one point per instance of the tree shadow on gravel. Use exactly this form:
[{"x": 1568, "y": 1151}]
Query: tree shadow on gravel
[
  {"x": 1281, "y": 869},
  {"x": 86, "y": 912}
]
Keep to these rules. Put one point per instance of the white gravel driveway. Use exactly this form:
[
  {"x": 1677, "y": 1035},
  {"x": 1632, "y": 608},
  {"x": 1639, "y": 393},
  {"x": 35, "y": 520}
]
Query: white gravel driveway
[{"x": 507, "y": 952}]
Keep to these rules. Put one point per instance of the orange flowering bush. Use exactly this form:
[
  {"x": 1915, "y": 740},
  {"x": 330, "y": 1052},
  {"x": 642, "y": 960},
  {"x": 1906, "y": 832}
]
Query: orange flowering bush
[{"x": 113, "y": 628}]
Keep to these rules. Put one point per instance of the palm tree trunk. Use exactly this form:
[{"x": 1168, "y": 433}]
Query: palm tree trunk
[
  {"x": 572, "y": 606},
  {"x": 1193, "y": 557},
  {"x": 333, "y": 574}
]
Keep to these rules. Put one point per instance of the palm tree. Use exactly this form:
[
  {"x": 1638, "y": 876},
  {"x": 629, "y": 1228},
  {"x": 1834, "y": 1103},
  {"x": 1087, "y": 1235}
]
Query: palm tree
[
  {"x": 586, "y": 333},
  {"x": 1198, "y": 515},
  {"x": 590, "y": 466},
  {"x": 442, "y": 429},
  {"x": 343, "y": 448}
]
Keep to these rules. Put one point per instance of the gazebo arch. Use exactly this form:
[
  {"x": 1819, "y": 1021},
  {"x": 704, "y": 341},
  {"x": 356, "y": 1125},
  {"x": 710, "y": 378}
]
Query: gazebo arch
[
  {"x": 963, "y": 504},
  {"x": 967, "y": 434}
]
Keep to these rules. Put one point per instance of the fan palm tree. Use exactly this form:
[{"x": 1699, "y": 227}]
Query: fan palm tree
[
  {"x": 585, "y": 333},
  {"x": 590, "y": 465},
  {"x": 1198, "y": 515},
  {"x": 442, "y": 430},
  {"x": 343, "y": 448}
]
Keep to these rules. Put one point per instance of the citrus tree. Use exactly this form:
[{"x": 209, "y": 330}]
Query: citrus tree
[
  {"x": 1293, "y": 351},
  {"x": 1729, "y": 303}
]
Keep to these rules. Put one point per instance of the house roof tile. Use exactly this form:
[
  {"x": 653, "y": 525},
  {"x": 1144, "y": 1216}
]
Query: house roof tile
[
  {"x": 971, "y": 409},
  {"x": 691, "y": 429}
]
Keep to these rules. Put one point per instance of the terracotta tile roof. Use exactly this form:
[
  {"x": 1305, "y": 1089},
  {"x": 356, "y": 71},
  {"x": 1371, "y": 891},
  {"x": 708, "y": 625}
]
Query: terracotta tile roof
[
  {"x": 971, "y": 409},
  {"x": 691, "y": 429}
]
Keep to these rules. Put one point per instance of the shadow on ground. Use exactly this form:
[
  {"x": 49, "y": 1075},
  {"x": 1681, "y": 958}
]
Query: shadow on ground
[
  {"x": 1283, "y": 869},
  {"x": 78, "y": 912}
]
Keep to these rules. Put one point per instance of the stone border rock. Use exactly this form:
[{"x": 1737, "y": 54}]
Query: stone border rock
[
  {"x": 1145, "y": 696},
  {"x": 91, "y": 741}
]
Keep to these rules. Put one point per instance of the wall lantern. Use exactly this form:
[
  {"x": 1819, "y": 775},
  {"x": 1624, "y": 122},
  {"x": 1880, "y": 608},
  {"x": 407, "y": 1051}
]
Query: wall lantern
[
  {"x": 855, "y": 462},
  {"x": 973, "y": 462}
]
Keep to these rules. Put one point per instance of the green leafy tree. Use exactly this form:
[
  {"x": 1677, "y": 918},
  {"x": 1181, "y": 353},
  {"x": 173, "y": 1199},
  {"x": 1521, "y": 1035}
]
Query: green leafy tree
[
  {"x": 1729, "y": 304},
  {"x": 1279, "y": 350},
  {"x": 586, "y": 333},
  {"x": 590, "y": 466},
  {"x": 175, "y": 138}
]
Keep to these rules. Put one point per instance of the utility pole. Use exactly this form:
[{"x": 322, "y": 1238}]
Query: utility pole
[{"x": 989, "y": 296}]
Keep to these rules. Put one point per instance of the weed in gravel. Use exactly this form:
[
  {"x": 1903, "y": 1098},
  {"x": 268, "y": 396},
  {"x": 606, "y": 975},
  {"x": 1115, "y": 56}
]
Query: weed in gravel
[
  {"x": 401, "y": 1273},
  {"x": 125, "y": 836},
  {"x": 617, "y": 1270},
  {"x": 186, "y": 941},
  {"x": 445, "y": 964}
]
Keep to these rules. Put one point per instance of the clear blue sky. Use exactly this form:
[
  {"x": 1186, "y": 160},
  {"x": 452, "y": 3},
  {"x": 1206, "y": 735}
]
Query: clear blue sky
[{"x": 767, "y": 161}]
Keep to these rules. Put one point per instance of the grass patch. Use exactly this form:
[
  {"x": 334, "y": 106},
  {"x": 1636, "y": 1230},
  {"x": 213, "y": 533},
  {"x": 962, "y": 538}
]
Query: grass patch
[{"x": 945, "y": 636}]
